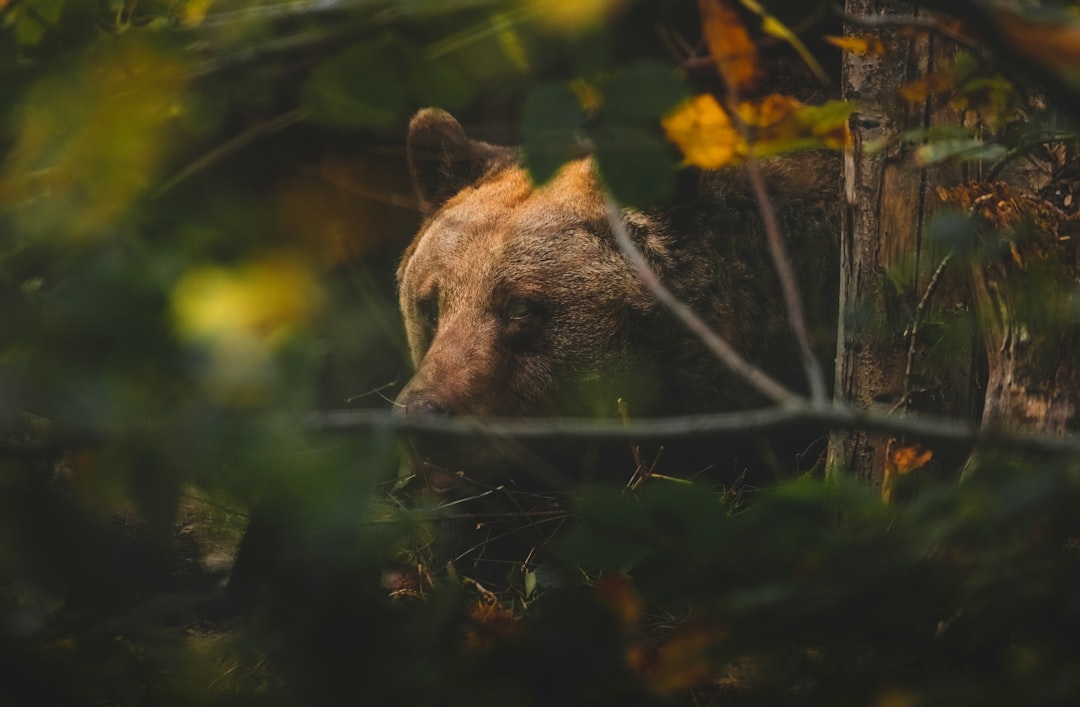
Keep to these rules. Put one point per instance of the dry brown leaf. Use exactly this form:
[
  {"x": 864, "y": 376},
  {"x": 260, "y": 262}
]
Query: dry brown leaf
[
  {"x": 1053, "y": 45},
  {"x": 935, "y": 84},
  {"x": 616, "y": 592},
  {"x": 681, "y": 661},
  {"x": 730, "y": 44},
  {"x": 488, "y": 621},
  {"x": 901, "y": 460}
]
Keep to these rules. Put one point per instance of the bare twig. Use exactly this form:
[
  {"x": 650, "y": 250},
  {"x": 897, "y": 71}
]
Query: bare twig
[
  {"x": 256, "y": 130},
  {"x": 789, "y": 285},
  {"x": 378, "y": 195},
  {"x": 920, "y": 309},
  {"x": 797, "y": 411},
  {"x": 375, "y": 391},
  {"x": 929, "y": 24}
]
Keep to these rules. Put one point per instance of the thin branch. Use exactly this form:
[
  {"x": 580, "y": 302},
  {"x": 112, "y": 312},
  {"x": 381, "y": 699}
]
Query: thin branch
[
  {"x": 796, "y": 411},
  {"x": 930, "y": 24},
  {"x": 719, "y": 347},
  {"x": 920, "y": 309},
  {"x": 789, "y": 285},
  {"x": 377, "y": 195},
  {"x": 258, "y": 129}
]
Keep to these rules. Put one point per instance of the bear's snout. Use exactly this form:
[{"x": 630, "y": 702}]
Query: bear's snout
[{"x": 420, "y": 405}]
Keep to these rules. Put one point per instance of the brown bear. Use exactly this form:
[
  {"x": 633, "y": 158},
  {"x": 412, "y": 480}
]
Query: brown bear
[{"x": 518, "y": 303}]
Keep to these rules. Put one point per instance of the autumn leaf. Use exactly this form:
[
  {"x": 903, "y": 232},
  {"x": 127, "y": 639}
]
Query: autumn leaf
[
  {"x": 488, "y": 621},
  {"x": 682, "y": 660},
  {"x": 828, "y": 123},
  {"x": 773, "y": 27},
  {"x": 617, "y": 592},
  {"x": 510, "y": 41},
  {"x": 707, "y": 138},
  {"x": 572, "y": 15},
  {"x": 933, "y": 84},
  {"x": 704, "y": 134},
  {"x": 87, "y": 141},
  {"x": 241, "y": 316},
  {"x": 588, "y": 95},
  {"x": 730, "y": 44},
  {"x": 195, "y": 12},
  {"x": 899, "y": 461},
  {"x": 869, "y": 44},
  {"x": 1050, "y": 40}
]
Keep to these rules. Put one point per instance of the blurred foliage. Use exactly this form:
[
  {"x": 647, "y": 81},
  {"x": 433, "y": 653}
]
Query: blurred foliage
[{"x": 201, "y": 206}]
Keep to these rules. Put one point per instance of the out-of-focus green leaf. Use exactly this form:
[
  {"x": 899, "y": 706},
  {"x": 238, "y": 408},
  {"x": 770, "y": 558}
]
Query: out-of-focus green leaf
[
  {"x": 635, "y": 164},
  {"x": 345, "y": 91},
  {"x": 32, "y": 18},
  {"x": 550, "y": 121},
  {"x": 643, "y": 92},
  {"x": 90, "y": 138},
  {"x": 964, "y": 149}
]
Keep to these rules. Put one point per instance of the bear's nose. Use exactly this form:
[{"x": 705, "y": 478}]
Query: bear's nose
[{"x": 426, "y": 407}]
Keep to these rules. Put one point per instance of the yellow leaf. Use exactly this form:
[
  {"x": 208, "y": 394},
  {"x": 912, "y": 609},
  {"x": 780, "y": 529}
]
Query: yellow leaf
[
  {"x": 701, "y": 129},
  {"x": 730, "y": 44},
  {"x": 266, "y": 299},
  {"x": 86, "y": 142},
  {"x": 195, "y": 12},
  {"x": 587, "y": 94},
  {"x": 572, "y": 15},
  {"x": 777, "y": 123},
  {"x": 774, "y": 27},
  {"x": 240, "y": 316},
  {"x": 510, "y": 41},
  {"x": 868, "y": 44}
]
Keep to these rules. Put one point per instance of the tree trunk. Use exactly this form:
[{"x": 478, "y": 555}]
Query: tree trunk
[
  {"x": 1024, "y": 272},
  {"x": 890, "y": 272}
]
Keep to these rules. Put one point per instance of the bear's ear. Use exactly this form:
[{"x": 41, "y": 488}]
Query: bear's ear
[{"x": 443, "y": 160}]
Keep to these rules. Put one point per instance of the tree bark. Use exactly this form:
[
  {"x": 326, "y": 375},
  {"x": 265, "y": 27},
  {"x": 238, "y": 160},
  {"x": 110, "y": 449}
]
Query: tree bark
[
  {"x": 1024, "y": 270},
  {"x": 891, "y": 274}
]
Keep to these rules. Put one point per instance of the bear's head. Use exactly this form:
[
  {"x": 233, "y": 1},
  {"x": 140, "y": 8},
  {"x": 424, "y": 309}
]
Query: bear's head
[{"x": 516, "y": 300}]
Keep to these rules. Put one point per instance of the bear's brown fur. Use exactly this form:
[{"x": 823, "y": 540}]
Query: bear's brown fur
[{"x": 517, "y": 301}]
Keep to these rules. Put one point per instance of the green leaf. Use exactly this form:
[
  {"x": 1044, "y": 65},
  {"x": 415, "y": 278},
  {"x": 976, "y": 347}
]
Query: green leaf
[
  {"x": 635, "y": 164},
  {"x": 32, "y": 18},
  {"x": 348, "y": 90},
  {"x": 28, "y": 29},
  {"x": 963, "y": 149},
  {"x": 644, "y": 92},
  {"x": 437, "y": 82},
  {"x": 550, "y": 121}
]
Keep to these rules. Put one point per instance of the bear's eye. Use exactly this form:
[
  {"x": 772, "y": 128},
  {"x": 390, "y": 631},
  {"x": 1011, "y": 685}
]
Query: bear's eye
[
  {"x": 521, "y": 308},
  {"x": 429, "y": 311}
]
